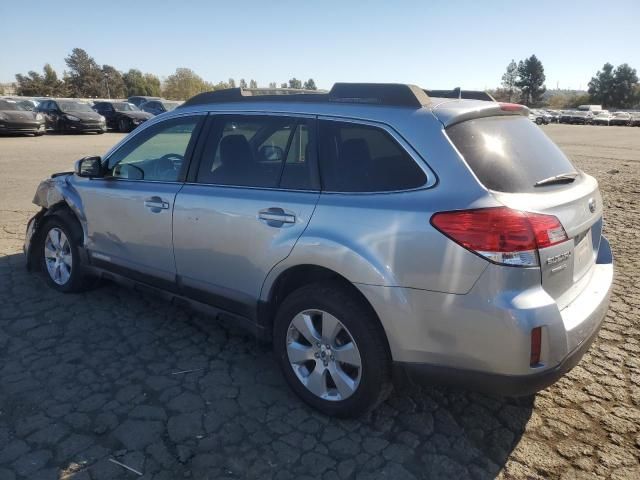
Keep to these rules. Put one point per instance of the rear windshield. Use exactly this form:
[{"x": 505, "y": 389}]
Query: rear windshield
[{"x": 508, "y": 153}]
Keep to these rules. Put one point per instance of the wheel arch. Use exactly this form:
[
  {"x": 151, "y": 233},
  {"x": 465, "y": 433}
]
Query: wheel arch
[
  {"x": 297, "y": 276},
  {"x": 62, "y": 210}
]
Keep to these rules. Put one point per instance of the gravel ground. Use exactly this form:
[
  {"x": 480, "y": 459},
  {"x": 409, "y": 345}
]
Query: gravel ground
[{"x": 113, "y": 375}]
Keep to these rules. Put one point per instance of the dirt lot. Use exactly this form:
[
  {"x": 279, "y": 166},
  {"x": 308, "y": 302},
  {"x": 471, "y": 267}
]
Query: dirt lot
[{"x": 93, "y": 377}]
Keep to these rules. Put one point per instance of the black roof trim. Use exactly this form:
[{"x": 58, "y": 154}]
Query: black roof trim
[
  {"x": 462, "y": 94},
  {"x": 389, "y": 94}
]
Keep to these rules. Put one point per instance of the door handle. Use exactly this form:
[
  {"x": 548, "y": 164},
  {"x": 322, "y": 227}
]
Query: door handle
[
  {"x": 156, "y": 204},
  {"x": 276, "y": 216}
]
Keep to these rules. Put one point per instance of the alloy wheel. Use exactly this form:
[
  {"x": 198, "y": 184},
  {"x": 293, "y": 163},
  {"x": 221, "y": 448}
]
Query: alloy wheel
[
  {"x": 58, "y": 256},
  {"x": 324, "y": 355}
]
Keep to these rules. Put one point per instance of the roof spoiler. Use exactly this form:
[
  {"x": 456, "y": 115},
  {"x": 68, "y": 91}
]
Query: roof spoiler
[{"x": 389, "y": 94}]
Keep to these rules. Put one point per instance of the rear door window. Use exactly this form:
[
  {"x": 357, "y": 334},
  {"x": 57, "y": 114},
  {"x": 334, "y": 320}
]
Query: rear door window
[
  {"x": 259, "y": 151},
  {"x": 363, "y": 158},
  {"x": 508, "y": 153}
]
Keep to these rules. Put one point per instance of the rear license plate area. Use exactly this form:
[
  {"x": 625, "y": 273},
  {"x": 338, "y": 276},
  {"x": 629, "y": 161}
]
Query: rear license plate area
[{"x": 582, "y": 254}]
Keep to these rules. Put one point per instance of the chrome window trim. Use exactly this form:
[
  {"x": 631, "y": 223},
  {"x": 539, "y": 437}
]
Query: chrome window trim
[{"x": 432, "y": 179}]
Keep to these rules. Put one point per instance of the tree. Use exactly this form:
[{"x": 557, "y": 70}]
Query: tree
[
  {"x": 243, "y": 83},
  {"x": 625, "y": 81},
  {"x": 85, "y": 76},
  {"x": 295, "y": 83},
  {"x": 601, "y": 87},
  {"x": 137, "y": 83},
  {"x": 614, "y": 87},
  {"x": 273, "y": 85},
  {"x": 231, "y": 83},
  {"x": 152, "y": 83},
  {"x": 531, "y": 80},
  {"x": 185, "y": 84},
  {"x": 509, "y": 80},
  {"x": 284, "y": 85},
  {"x": 113, "y": 86},
  {"x": 310, "y": 85},
  {"x": 253, "y": 83},
  {"x": 47, "y": 85}
]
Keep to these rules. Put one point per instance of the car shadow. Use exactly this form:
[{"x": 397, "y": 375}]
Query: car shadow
[{"x": 115, "y": 374}]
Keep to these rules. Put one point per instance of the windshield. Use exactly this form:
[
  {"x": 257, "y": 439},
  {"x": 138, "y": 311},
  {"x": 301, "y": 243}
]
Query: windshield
[
  {"x": 621, "y": 114},
  {"x": 170, "y": 105},
  {"x": 74, "y": 107},
  {"x": 125, "y": 107},
  {"x": 508, "y": 153},
  {"x": 9, "y": 105}
]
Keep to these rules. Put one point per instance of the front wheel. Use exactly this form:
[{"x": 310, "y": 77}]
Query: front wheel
[
  {"x": 60, "y": 257},
  {"x": 332, "y": 350}
]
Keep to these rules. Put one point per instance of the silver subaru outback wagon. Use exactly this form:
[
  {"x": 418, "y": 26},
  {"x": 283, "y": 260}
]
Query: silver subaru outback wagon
[{"x": 369, "y": 232}]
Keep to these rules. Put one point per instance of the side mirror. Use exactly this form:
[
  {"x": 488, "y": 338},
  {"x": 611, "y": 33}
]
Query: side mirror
[{"x": 90, "y": 167}]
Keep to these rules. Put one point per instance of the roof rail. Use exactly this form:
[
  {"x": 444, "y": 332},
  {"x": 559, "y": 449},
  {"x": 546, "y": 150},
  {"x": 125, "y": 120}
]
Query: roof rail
[
  {"x": 390, "y": 94},
  {"x": 461, "y": 94}
]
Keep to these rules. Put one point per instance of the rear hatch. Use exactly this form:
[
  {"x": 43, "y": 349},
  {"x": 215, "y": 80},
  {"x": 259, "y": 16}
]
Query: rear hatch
[{"x": 526, "y": 171}]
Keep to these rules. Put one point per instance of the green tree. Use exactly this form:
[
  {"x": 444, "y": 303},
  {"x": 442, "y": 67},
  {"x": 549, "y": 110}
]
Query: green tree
[
  {"x": 601, "y": 87},
  {"x": 284, "y": 85},
  {"x": 295, "y": 83},
  {"x": 253, "y": 83},
  {"x": 137, "y": 83},
  {"x": 152, "y": 83},
  {"x": 531, "y": 80},
  {"x": 243, "y": 83},
  {"x": 625, "y": 80},
  {"x": 310, "y": 85},
  {"x": 113, "y": 86},
  {"x": 47, "y": 85},
  {"x": 231, "y": 83},
  {"x": 85, "y": 76},
  {"x": 509, "y": 80},
  {"x": 31, "y": 84},
  {"x": 184, "y": 84}
]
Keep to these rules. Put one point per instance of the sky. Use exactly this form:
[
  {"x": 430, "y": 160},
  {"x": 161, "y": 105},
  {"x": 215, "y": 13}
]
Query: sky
[{"x": 434, "y": 44}]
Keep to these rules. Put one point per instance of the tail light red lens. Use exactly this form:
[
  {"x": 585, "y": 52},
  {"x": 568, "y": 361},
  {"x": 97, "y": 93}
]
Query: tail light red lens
[
  {"x": 536, "y": 346},
  {"x": 501, "y": 235}
]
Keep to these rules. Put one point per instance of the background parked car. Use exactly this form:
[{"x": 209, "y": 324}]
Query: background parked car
[
  {"x": 539, "y": 117},
  {"x": 581, "y": 118},
  {"x": 601, "y": 118},
  {"x": 620, "y": 118},
  {"x": 156, "y": 107},
  {"x": 138, "y": 100},
  {"x": 71, "y": 116},
  {"x": 15, "y": 118},
  {"x": 122, "y": 116},
  {"x": 553, "y": 115},
  {"x": 635, "y": 119},
  {"x": 565, "y": 116}
]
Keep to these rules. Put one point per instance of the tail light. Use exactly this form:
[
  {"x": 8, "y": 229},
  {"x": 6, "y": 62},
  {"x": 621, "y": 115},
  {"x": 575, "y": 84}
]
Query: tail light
[{"x": 501, "y": 235}]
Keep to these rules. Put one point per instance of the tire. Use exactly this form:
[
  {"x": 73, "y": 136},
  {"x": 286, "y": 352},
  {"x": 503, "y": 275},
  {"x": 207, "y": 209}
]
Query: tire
[
  {"x": 361, "y": 388},
  {"x": 539, "y": 121},
  {"x": 124, "y": 126},
  {"x": 69, "y": 277}
]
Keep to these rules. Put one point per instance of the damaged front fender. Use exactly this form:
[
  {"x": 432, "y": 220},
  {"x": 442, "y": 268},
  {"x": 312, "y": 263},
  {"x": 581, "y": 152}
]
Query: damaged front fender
[{"x": 53, "y": 194}]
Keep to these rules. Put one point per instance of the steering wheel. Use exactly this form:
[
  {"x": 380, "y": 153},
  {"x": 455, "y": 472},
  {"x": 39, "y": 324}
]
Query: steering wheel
[{"x": 169, "y": 165}]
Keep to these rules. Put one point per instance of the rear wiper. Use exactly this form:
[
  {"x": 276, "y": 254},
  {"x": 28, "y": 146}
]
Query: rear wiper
[{"x": 556, "y": 179}]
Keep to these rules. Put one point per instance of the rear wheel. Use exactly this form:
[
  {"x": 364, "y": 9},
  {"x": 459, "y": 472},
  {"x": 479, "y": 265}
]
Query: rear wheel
[{"x": 332, "y": 350}]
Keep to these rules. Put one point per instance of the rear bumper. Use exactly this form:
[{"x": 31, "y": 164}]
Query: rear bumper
[
  {"x": 482, "y": 340},
  {"x": 493, "y": 384}
]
